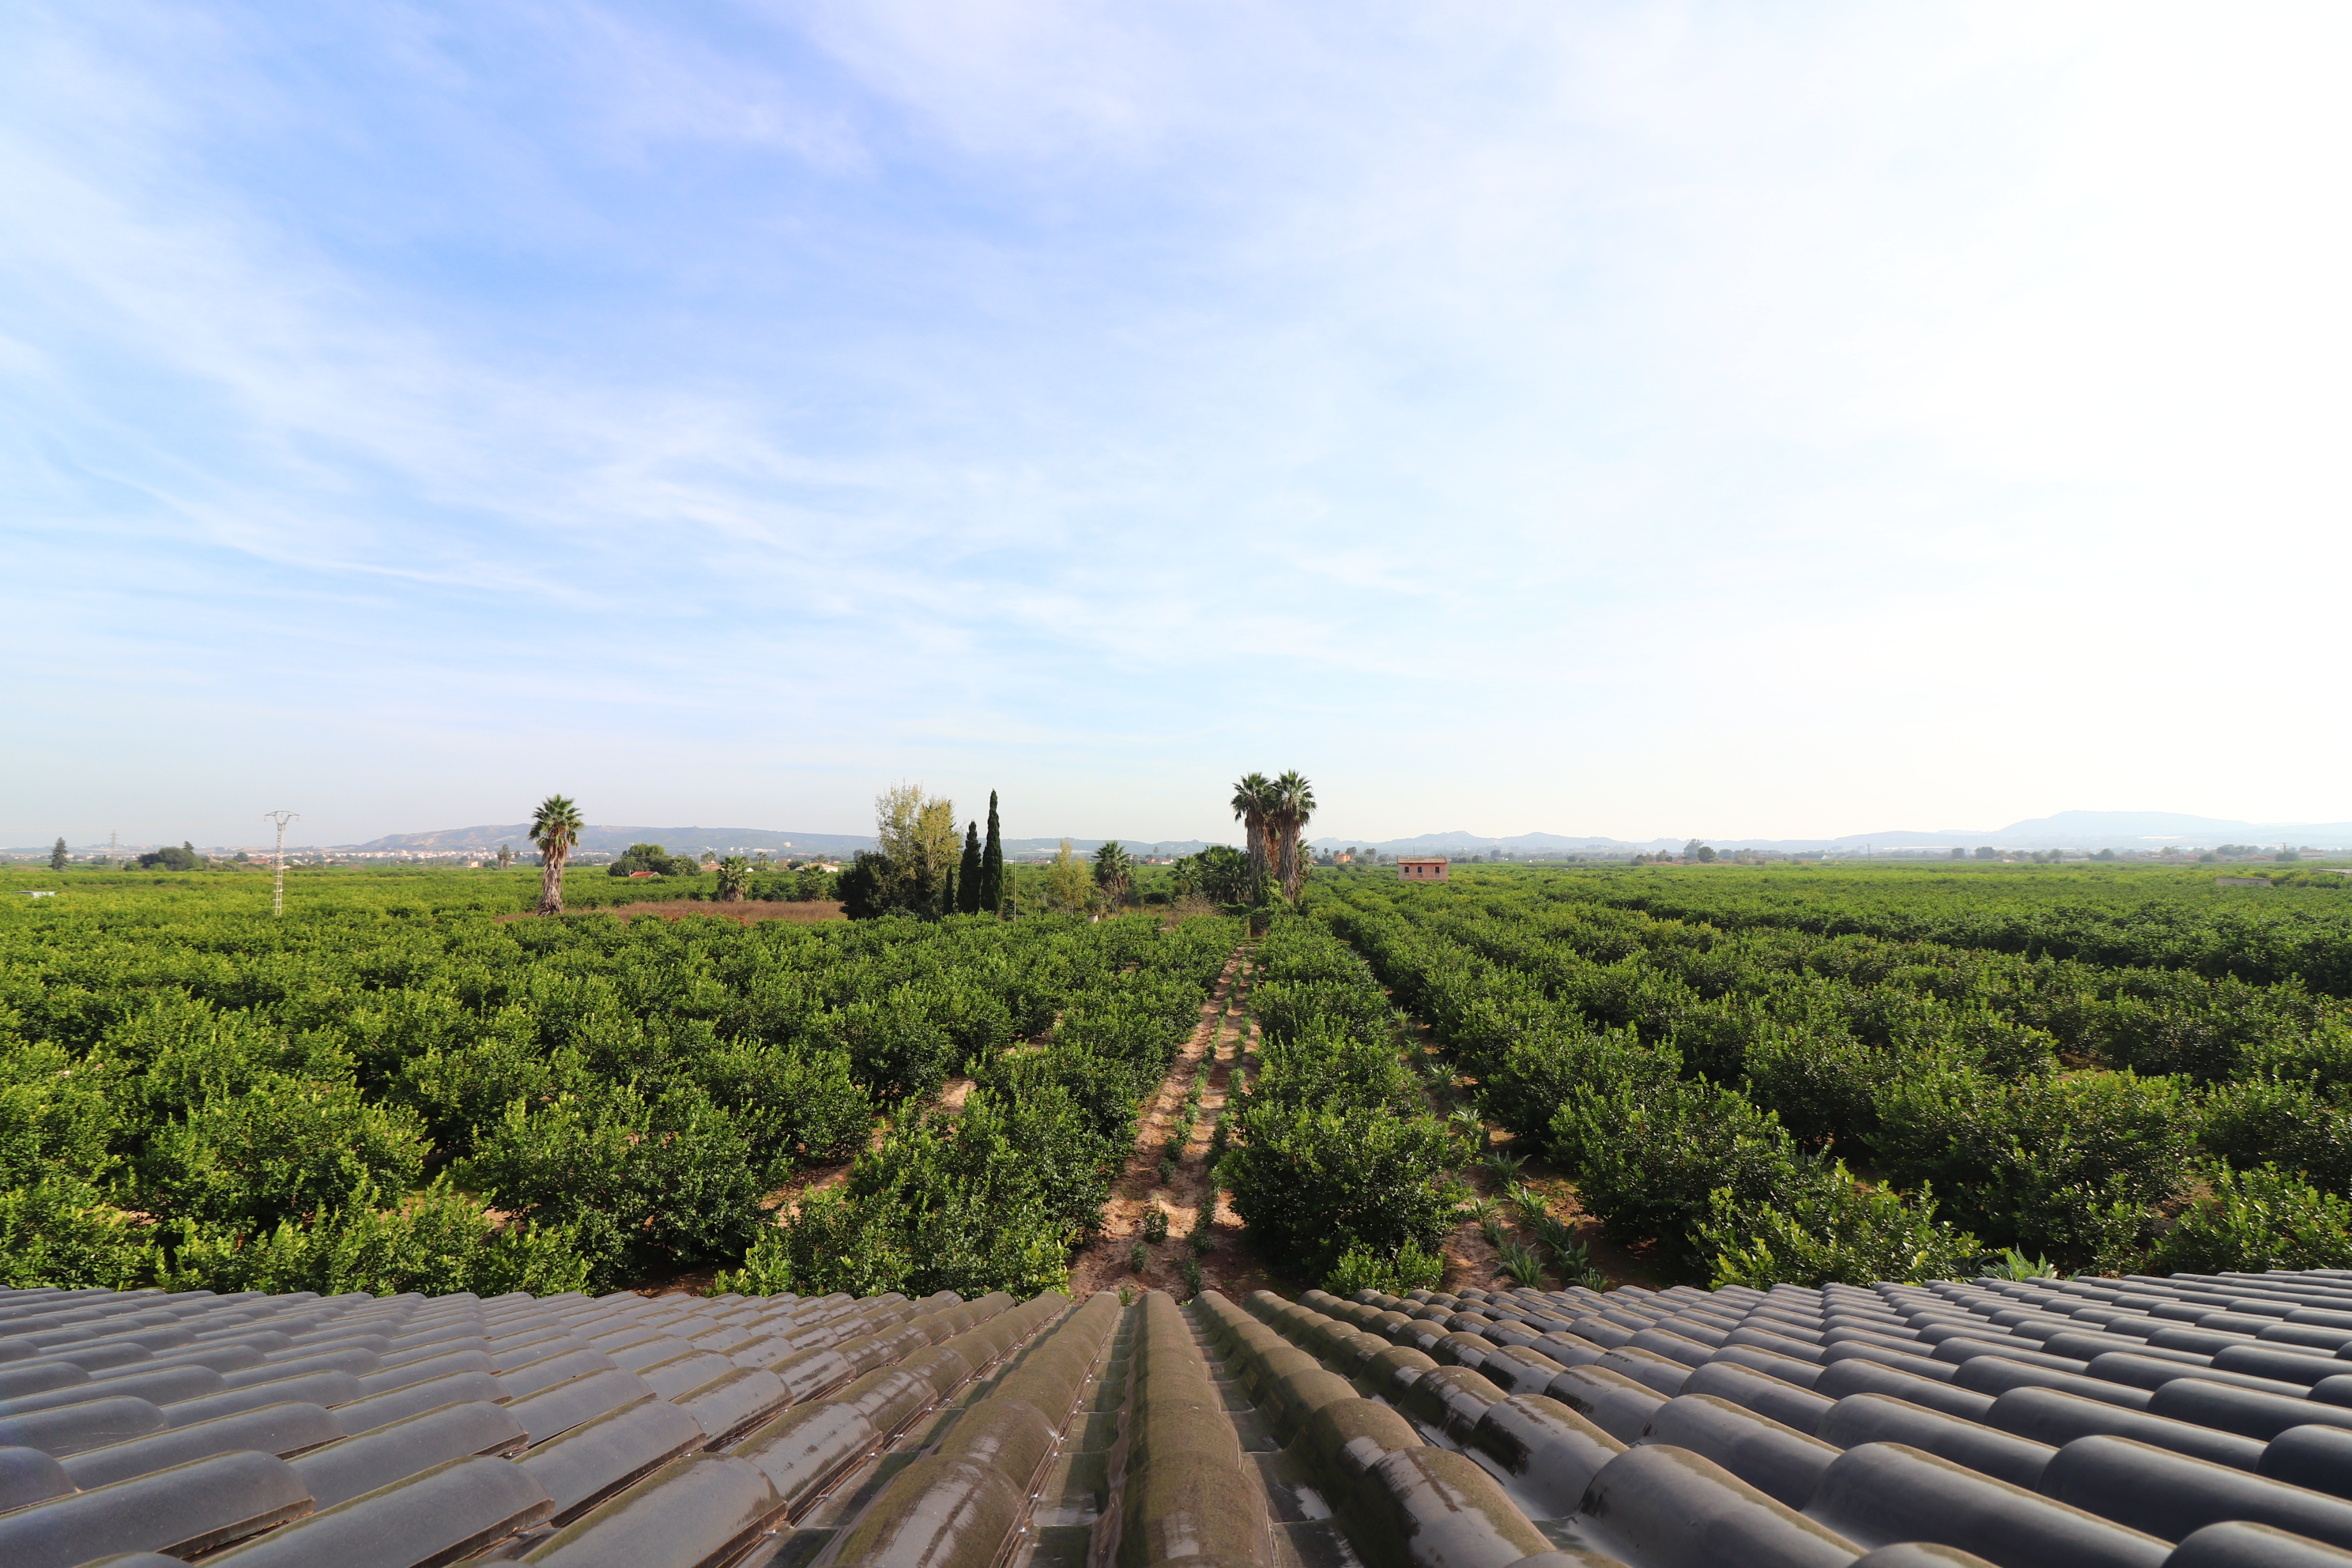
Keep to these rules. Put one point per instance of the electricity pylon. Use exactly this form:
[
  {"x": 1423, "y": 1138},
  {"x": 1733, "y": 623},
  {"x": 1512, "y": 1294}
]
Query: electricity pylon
[{"x": 278, "y": 894}]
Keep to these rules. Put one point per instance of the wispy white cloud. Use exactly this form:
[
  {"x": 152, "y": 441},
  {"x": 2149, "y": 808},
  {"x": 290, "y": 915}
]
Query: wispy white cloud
[{"x": 1712, "y": 418}]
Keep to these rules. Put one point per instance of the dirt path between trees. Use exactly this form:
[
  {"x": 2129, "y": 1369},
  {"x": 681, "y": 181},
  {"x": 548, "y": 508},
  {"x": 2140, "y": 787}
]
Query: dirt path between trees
[{"x": 1225, "y": 1036}]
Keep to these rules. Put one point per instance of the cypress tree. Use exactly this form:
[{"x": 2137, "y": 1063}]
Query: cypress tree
[
  {"x": 991, "y": 863},
  {"x": 968, "y": 875}
]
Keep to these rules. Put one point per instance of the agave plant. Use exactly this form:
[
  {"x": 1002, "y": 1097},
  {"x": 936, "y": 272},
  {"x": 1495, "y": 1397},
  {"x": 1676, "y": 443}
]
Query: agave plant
[
  {"x": 1492, "y": 1229},
  {"x": 1556, "y": 1233},
  {"x": 1522, "y": 1264},
  {"x": 1533, "y": 1206},
  {"x": 2011, "y": 1263},
  {"x": 1482, "y": 1210},
  {"x": 1504, "y": 1166},
  {"x": 1468, "y": 1122}
]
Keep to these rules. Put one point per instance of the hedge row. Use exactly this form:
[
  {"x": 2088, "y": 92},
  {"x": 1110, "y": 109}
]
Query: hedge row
[
  {"x": 1704, "y": 1088},
  {"x": 383, "y": 1090}
]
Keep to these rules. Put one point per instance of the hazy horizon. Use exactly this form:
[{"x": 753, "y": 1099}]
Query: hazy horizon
[
  {"x": 1611, "y": 419},
  {"x": 2072, "y": 828}
]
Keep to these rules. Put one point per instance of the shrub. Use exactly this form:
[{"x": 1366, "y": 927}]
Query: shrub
[
  {"x": 1353, "y": 1006},
  {"x": 1539, "y": 1074},
  {"x": 456, "y": 1091},
  {"x": 1523, "y": 1265},
  {"x": 1315, "y": 1183},
  {"x": 1824, "y": 1227},
  {"x": 832, "y": 1244},
  {"x": 990, "y": 1200},
  {"x": 1823, "y": 1087},
  {"x": 442, "y": 1243},
  {"x": 637, "y": 1185},
  {"x": 1362, "y": 1267},
  {"x": 1155, "y": 1223},
  {"x": 57, "y": 1116},
  {"x": 2070, "y": 1166},
  {"x": 2009, "y": 1263},
  {"x": 2258, "y": 1219},
  {"x": 1323, "y": 1065},
  {"x": 2299, "y": 1125},
  {"x": 880, "y": 1242},
  {"x": 792, "y": 1102},
  {"x": 283, "y": 1149},
  {"x": 62, "y": 1232},
  {"x": 897, "y": 1047},
  {"x": 1649, "y": 1158}
]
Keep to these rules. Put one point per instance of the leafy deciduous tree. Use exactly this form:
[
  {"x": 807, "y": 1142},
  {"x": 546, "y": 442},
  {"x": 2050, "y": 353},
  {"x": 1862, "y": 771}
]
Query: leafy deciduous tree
[
  {"x": 1069, "y": 885},
  {"x": 916, "y": 832}
]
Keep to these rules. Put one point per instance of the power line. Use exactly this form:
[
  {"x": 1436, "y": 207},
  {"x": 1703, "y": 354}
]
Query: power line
[{"x": 278, "y": 894}]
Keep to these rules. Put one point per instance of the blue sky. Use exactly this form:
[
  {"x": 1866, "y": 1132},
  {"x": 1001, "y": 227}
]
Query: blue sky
[{"x": 1630, "y": 419}]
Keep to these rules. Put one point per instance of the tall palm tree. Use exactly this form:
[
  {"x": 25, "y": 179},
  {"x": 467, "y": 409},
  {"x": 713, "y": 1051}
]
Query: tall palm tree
[
  {"x": 1252, "y": 806},
  {"x": 555, "y": 828},
  {"x": 1294, "y": 804},
  {"x": 1114, "y": 869}
]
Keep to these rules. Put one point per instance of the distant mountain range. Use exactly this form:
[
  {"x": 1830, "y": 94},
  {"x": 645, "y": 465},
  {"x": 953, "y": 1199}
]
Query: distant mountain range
[
  {"x": 600, "y": 839},
  {"x": 2066, "y": 830}
]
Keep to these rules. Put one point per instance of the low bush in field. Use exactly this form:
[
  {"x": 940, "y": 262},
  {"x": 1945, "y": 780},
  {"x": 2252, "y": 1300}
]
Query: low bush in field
[
  {"x": 440, "y": 1244},
  {"x": 2258, "y": 1219},
  {"x": 1363, "y": 1268},
  {"x": 1651, "y": 1157},
  {"x": 1332, "y": 1154},
  {"x": 994, "y": 1197},
  {"x": 61, "y": 1231},
  {"x": 988, "y": 1200},
  {"x": 1313, "y": 1182},
  {"x": 2070, "y": 1166},
  {"x": 1821, "y": 1227},
  {"x": 2054, "y": 1100},
  {"x": 192, "y": 1092}
]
